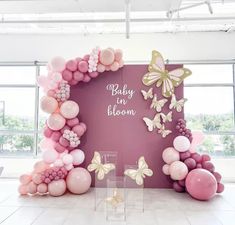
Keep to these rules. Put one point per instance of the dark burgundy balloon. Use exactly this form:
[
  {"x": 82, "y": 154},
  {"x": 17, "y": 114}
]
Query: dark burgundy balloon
[
  {"x": 220, "y": 188},
  {"x": 199, "y": 166},
  {"x": 208, "y": 166},
  {"x": 177, "y": 187},
  {"x": 206, "y": 157},
  {"x": 182, "y": 183},
  {"x": 190, "y": 163},
  {"x": 184, "y": 155},
  {"x": 217, "y": 176},
  {"x": 197, "y": 157}
]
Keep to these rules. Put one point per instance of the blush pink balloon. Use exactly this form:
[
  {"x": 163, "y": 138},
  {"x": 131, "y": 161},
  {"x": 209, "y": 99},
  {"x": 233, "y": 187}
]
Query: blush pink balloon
[
  {"x": 67, "y": 159},
  {"x": 73, "y": 82},
  {"x": 59, "y": 148},
  {"x": 42, "y": 81},
  {"x": 49, "y": 156},
  {"x": 69, "y": 109},
  {"x": 178, "y": 170},
  {"x": 165, "y": 169},
  {"x": 47, "y": 132},
  {"x": 57, "y": 187},
  {"x": 78, "y": 76},
  {"x": 198, "y": 138},
  {"x": 56, "y": 121},
  {"x": 84, "y": 126},
  {"x": 71, "y": 65},
  {"x": 57, "y": 64},
  {"x": 72, "y": 122},
  {"x": 181, "y": 144},
  {"x": 58, "y": 163},
  {"x": 32, "y": 188},
  {"x": 83, "y": 66},
  {"x": 66, "y": 127},
  {"x": 67, "y": 75},
  {"x": 36, "y": 178},
  {"x": 217, "y": 176},
  {"x": 48, "y": 104},
  {"x": 107, "y": 57},
  {"x": 25, "y": 179},
  {"x": 42, "y": 188},
  {"x": 78, "y": 180},
  {"x": 79, "y": 130},
  {"x": 78, "y": 156},
  {"x": 23, "y": 189},
  {"x": 118, "y": 54},
  {"x": 93, "y": 74},
  {"x": 201, "y": 184},
  {"x": 114, "y": 67},
  {"x": 46, "y": 144},
  {"x": 100, "y": 68},
  {"x": 64, "y": 142},
  {"x": 170, "y": 155},
  {"x": 40, "y": 166}
]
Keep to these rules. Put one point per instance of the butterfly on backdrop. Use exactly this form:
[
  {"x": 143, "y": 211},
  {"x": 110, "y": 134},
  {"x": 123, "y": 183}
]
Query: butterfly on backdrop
[
  {"x": 163, "y": 131},
  {"x": 167, "y": 117},
  {"x": 152, "y": 124},
  {"x": 139, "y": 174},
  {"x": 162, "y": 77},
  {"x": 177, "y": 105},
  {"x": 100, "y": 169},
  {"x": 158, "y": 104},
  {"x": 147, "y": 94}
]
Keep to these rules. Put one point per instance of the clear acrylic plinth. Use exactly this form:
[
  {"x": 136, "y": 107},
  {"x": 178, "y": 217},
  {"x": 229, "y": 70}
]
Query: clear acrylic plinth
[
  {"x": 134, "y": 192},
  {"x": 115, "y": 199},
  {"x": 101, "y": 185}
]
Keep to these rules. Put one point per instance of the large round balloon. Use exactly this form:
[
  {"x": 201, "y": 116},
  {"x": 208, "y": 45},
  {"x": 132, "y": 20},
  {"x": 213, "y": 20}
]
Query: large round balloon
[
  {"x": 69, "y": 109},
  {"x": 181, "y": 143},
  {"x": 48, "y": 104},
  {"x": 201, "y": 184},
  {"x": 170, "y": 155},
  {"x": 178, "y": 170},
  {"x": 78, "y": 180},
  {"x": 57, "y": 188},
  {"x": 56, "y": 121}
]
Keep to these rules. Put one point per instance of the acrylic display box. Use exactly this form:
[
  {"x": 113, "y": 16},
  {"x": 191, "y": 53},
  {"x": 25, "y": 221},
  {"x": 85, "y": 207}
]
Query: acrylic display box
[
  {"x": 101, "y": 185},
  {"x": 115, "y": 199},
  {"x": 134, "y": 192}
]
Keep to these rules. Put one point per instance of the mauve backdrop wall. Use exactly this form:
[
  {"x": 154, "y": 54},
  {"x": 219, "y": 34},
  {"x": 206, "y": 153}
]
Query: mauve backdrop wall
[{"x": 128, "y": 135}]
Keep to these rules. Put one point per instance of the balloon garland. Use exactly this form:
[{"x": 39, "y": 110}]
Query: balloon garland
[
  {"x": 59, "y": 169},
  {"x": 189, "y": 170}
]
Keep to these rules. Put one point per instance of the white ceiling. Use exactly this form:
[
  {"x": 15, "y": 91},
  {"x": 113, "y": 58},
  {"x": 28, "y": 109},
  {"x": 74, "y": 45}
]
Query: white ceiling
[{"x": 108, "y": 16}]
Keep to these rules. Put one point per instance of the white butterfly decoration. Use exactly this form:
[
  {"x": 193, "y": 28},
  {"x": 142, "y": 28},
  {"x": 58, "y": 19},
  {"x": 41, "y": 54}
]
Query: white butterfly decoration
[
  {"x": 178, "y": 105},
  {"x": 147, "y": 94},
  {"x": 152, "y": 124},
  {"x": 139, "y": 174},
  {"x": 163, "y": 131},
  {"x": 116, "y": 199},
  {"x": 167, "y": 117},
  {"x": 158, "y": 104},
  {"x": 162, "y": 77},
  {"x": 100, "y": 169}
]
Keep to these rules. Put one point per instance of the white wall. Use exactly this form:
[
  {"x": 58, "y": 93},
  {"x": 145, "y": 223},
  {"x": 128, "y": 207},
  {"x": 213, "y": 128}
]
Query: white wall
[{"x": 180, "y": 46}]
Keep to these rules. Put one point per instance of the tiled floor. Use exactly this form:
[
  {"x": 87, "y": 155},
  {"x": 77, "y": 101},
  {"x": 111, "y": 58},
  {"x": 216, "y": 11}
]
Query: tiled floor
[{"x": 162, "y": 207}]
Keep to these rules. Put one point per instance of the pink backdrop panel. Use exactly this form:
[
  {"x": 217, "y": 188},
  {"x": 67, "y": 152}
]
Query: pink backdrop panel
[{"x": 128, "y": 135}]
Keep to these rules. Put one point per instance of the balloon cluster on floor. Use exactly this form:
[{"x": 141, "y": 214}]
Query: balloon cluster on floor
[
  {"x": 190, "y": 171},
  {"x": 59, "y": 169}
]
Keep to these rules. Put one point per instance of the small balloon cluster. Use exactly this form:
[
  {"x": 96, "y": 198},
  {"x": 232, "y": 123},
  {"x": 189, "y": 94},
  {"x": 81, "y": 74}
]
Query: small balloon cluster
[
  {"x": 189, "y": 170},
  {"x": 59, "y": 171}
]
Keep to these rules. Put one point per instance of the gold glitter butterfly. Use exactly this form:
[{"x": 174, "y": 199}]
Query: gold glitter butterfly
[{"x": 116, "y": 199}]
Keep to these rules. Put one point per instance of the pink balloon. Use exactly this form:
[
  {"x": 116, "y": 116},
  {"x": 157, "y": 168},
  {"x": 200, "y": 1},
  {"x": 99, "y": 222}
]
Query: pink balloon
[
  {"x": 73, "y": 82},
  {"x": 69, "y": 109},
  {"x": 198, "y": 138},
  {"x": 118, "y": 54},
  {"x": 197, "y": 157},
  {"x": 25, "y": 179},
  {"x": 114, "y": 66},
  {"x": 59, "y": 148},
  {"x": 47, "y": 132},
  {"x": 64, "y": 142},
  {"x": 49, "y": 156},
  {"x": 23, "y": 189},
  {"x": 107, "y": 57},
  {"x": 220, "y": 188},
  {"x": 59, "y": 163},
  {"x": 217, "y": 176},
  {"x": 84, "y": 126},
  {"x": 170, "y": 155},
  {"x": 67, "y": 159},
  {"x": 46, "y": 144},
  {"x": 184, "y": 155},
  {"x": 181, "y": 183},
  {"x": 56, "y": 77},
  {"x": 100, "y": 68},
  {"x": 78, "y": 76},
  {"x": 55, "y": 136},
  {"x": 86, "y": 57},
  {"x": 48, "y": 104},
  {"x": 190, "y": 163},
  {"x": 206, "y": 157},
  {"x": 32, "y": 188},
  {"x": 40, "y": 166},
  {"x": 78, "y": 156},
  {"x": 57, "y": 64},
  {"x": 67, "y": 75},
  {"x": 57, "y": 187},
  {"x": 201, "y": 184},
  {"x": 66, "y": 127},
  {"x": 208, "y": 166},
  {"x": 36, "y": 178},
  {"x": 177, "y": 187},
  {"x": 86, "y": 78},
  {"x": 73, "y": 122},
  {"x": 42, "y": 188},
  {"x": 199, "y": 166},
  {"x": 56, "y": 121},
  {"x": 79, "y": 130},
  {"x": 83, "y": 66},
  {"x": 42, "y": 81},
  {"x": 165, "y": 169},
  {"x": 51, "y": 93},
  {"x": 93, "y": 74},
  {"x": 181, "y": 144},
  {"x": 78, "y": 180},
  {"x": 178, "y": 170},
  {"x": 71, "y": 65}
]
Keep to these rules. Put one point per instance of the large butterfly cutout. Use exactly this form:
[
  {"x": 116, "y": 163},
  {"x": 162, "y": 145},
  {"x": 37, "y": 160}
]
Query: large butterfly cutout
[
  {"x": 178, "y": 105},
  {"x": 152, "y": 124},
  {"x": 147, "y": 94},
  {"x": 159, "y": 75},
  {"x": 100, "y": 169},
  {"x": 158, "y": 104},
  {"x": 139, "y": 174},
  {"x": 115, "y": 199}
]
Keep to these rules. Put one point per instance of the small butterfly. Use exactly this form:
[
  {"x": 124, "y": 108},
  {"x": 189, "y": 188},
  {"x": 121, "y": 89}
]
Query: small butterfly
[
  {"x": 152, "y": 124},
  {"x": 147, "y": 94},
  {"x": 178, "y": 105},
  {"x": 115, "y": 199},
  {"x": 139, "y": 174},
  {"x": 158, "y": 104},
  {"x": 100, "y": 169},
  {"x": 166, "y": 118},
  {"x": 163, "y": 131},
  {"x": 168, "y": 79}
]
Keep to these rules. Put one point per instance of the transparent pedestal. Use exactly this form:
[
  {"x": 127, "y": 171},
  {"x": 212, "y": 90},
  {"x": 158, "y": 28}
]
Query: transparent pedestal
[
  {"x": 134, "y": 192},
  {"x": 115, "y": 199},
  {"x": 101, "y": 185}
]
